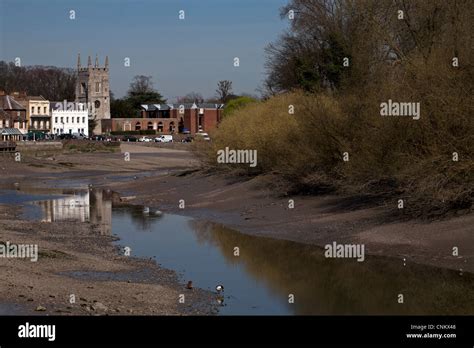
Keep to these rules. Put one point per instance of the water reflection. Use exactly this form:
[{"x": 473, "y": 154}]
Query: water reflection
[
  {"x": 74, "y": 205},
  {"x": 93, "y": 206},
  {"x": 267, "y": 271},
  {"x": 338, "y": 286}
]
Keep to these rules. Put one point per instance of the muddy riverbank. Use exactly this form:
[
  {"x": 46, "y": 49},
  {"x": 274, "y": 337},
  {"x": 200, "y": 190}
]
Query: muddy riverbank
[
  {"x": 169, "y": 180},
  {"x": 80, "y": 271}
]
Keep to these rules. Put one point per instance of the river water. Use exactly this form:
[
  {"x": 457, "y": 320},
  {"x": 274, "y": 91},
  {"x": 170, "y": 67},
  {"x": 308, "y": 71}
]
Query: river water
[{"x": 267, "y": 274}]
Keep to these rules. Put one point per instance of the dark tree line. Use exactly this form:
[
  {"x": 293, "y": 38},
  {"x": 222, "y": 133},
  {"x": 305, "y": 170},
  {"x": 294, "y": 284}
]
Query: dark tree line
[{"x": 51, "y": 82}]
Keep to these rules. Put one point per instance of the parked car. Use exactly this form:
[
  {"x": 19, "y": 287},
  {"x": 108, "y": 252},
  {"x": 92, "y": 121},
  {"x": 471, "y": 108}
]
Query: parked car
[
  {"x": 79, "y": 135},
  {"x": 203, "y": 136},
  {"x": 66, "y": 136},
  {"x": 145, "y": 140},
  {"x": 188, "y": 139},
  {"x": 164, "y": 139},
  {"x": 129, "y": 138},
  {"x": 98, "y": 138}
]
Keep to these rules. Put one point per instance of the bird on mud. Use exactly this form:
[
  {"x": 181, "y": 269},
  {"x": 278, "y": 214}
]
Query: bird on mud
[
  {"x": 146, "y": 210},
  {"x": 220, "y": 297}
]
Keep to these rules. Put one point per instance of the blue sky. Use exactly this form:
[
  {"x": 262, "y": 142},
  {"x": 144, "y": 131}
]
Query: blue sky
[{"x": 182, "y": 55}]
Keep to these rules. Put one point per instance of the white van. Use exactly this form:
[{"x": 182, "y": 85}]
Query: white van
[{"x": 164, "y": 139}]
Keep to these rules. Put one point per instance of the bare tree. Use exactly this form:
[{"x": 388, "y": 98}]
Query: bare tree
[
  {"x": 141, "y": 84},
  {"x": 51, "y": 82},
  {"x": 192, "y": 97},
  {"x": 224, "y": 90}
]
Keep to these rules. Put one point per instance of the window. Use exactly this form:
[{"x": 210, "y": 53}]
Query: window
[
  {"x": 78, "y": 119},
  {"x": 83, "y": 120},
  {"x": 72, "y": 119},
  {"x": 44, "y": 110},
  {"x": 97, "y": 87},
  {"x": 32, "y": 110},
  {"x": 67, "y": 119},
  {"x": 62, "y": 119},
  {"x": 56, "y": 120}
]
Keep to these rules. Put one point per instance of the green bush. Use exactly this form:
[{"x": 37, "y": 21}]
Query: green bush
[{"x": 237, "y": 103}]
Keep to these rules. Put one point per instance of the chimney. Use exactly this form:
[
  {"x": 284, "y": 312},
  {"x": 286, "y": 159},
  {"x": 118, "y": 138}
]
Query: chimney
[{"x": 106, "y": 62}]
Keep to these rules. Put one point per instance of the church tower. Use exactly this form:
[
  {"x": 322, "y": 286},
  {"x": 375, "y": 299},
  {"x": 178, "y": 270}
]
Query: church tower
[{"x": 92, "y": 87}]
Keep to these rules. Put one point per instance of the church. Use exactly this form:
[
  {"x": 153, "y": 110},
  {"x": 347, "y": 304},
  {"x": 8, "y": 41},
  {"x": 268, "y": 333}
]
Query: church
[{"x": 93, "y": 90}]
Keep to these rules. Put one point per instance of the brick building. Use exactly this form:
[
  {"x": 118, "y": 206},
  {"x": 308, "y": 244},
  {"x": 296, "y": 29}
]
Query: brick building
[
  {"x": 170, "y": 119},
  {"x": 12, "y": 113}
]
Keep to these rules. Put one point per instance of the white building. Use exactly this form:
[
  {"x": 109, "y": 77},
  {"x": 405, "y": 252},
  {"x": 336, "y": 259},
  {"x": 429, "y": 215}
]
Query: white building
[{"x": 72, "y": 120}]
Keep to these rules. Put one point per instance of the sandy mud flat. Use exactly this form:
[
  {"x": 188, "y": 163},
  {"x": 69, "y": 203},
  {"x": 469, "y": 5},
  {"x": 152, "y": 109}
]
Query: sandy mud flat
[{"x": 75, "y": 259}]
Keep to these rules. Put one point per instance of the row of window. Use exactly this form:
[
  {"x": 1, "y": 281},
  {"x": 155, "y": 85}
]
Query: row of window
[
  {"x": 45, "y": 112},
  {"x": 41, "y": 125},
  {"x": 6, "y": 124},
  {"x": 70, "y": 131},
  {"x": 72, "y": 119},
  {"x": 98, "y": 87},
  {"x": 151, "y": 126}
]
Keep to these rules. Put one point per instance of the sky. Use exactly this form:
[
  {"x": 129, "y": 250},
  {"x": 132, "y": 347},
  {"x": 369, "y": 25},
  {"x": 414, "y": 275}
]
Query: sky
[{"x": 182, "y": 56}]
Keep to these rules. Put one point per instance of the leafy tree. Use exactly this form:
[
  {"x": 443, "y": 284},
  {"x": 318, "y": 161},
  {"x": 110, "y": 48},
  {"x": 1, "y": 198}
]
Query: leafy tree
[
  {"x": 122, "y": 108},
  {"x": 237, "y": 103},
  {"x": 141, "y": 91}
]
